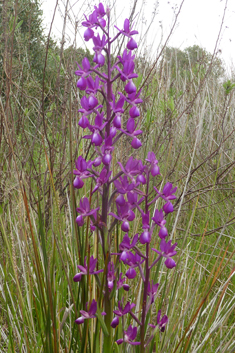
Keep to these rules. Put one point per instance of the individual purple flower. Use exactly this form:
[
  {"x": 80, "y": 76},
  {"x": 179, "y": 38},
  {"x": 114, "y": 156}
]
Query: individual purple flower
[
  {"x": 82, "y": 84},
  {"x": 85, "y": 69},
  {"x": 134, "y": 112},
  {"x": 128, "y": 33},
  {"x": 127, "y": 60},
  {"x": 132, "y": 168},
  {"x": 107, "y": 150},
  {"x": 133, "y": 98},
  {"x": 129, "y": 336},
  {"x": 125, "y": 214},
  {"x": 159, "y": 218},
  {"x": 100, "y": 10},
  {"x": 123, "y": 310},
  {"x": 115, "y": 322},
  {"x": 96, "y": 130},
  {"x": 130, "y": 131},
  {"x": 154, "y": 168},
  {"x": 130, "y": 87},
  {"x": 117, "y": 121},
  {"x": 93, "y": 85},
  {"x": 102, "y": 179},
  {"x": 81, "y": 172},
  {"x": 94, "y": 19},
  {"x": 126, "y": 57},
  {"x": 125, "y": 246},
  {"x": 121, "y": 284},
  {"x": 88, "y": 34},
  {"x": 83, "y": 269},
  {"x": 163, "y": 233},
  {"x": 123, "y": 186},
  {"x": 131, "y": 45},
  {"x": 111, "y": 275},
  {"x": 99, "y": 44},
  {"x": 161, "y": 322},
  {"x": 117, "y": 107},
  {"x": 168, "y": 207},
  {"x": 132, "y": 261},
  {"x": 89, "y": 314},
  {"x": 89, "y": 104},
  {"x": 84, "y": 211},
  {"x": 145, "y": 237},
  {"x": 160, "y": 221},
  {"x": 167, "y": 192},
  {"x": 152, "y": 291},
  {"x": 167, "y": 251},
  {"x": 83, "y": 122},
  {"x": 132, "y": 198},
  {"x": 130, "y": 273}
]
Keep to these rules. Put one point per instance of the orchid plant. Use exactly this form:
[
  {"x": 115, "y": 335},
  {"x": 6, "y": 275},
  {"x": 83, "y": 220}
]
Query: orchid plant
[{"x": 128, "y": 189}]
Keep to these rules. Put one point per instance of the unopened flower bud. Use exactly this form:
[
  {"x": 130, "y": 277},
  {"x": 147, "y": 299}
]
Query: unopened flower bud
[{"x": 115, "y": 322}]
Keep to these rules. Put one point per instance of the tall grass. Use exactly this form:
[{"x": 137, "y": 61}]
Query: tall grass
[{"x": 188, "y": 121}]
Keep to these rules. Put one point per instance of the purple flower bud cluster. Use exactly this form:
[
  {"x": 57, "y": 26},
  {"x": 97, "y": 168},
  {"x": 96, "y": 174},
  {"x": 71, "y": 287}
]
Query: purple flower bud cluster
[{"x": 124, "y": 196}]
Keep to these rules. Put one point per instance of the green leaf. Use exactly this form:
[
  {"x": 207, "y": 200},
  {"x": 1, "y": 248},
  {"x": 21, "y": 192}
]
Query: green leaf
[
  {"x": 116, "y": 347},
  {"x": 19, "y": 24},
  {"x": 101, "y": 321},
  {"x": 171, "y": 104}
]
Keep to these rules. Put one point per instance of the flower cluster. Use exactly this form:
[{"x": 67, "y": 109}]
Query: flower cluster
[{"x": 128, "y": 189}]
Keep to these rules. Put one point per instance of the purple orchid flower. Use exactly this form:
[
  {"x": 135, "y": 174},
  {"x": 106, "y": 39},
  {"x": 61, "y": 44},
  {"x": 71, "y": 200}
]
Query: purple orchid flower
[
  {"x": 167, "y": 251},
  {"x": 154, "y": 168},
  {"x": 161, "y": 322},
  {"x": 85, "y": 69},
  {"x": 100, "y": 10},
  {"x": 96, "y": 130},
  {"x": 121, "y": 284},
  {"x": 125, "y": 247},
  {"x": 133, "y": 261},
  {"x": 89, "y": 104},
  {"x": 81, "y": 172},
  {"x": 160, "y": 221},
  {"x": 83, "y": 269},
  {"x": 129, "y": 336},
  {"x": 126, "y": 56},
  {"x": 127, "y": 70},
  {"x": 130, "y": 88},
  {"x": 167, "y": 192},
  {"x": 115, "y": 322},
  {"x": 123, "y": 311},
  {"x": 152, "y": 291},
  {"x": 117, "y": 107},
  {"x": 125, "y": 214},
  {"x": 130, "y": 131},
  {"x": 95, "y": 19},
  {"x": 90, "y": 314},
  {"x": 159, "y": 218},
  {"x": 123, "y": 186},
  {"x": 132, "y": 168},
  {"x": 99, "y": 45},
  {"x": 168, "y": 207},
  {"x": 145, "y": 237},
  {"x": 134, "y": 99},
  {"x": 84, "y": 211},
  {"x": 107, "y": 150},
  {"x": 111, "y": 275},
  {"x": 102, "y": 179},
  {"x": 134, "y": 112},
  {"x": 93, "y": 85},
  {"x": 128, "y": 33}
]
